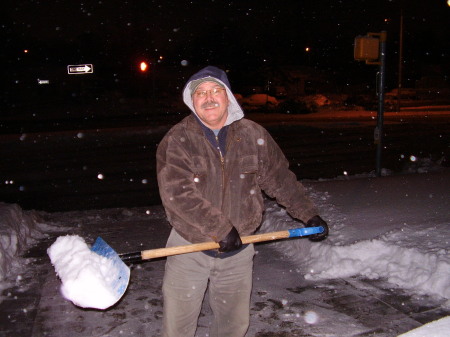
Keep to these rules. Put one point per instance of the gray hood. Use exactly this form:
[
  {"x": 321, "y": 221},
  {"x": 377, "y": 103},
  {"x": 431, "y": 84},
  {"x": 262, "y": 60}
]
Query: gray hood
[{"x": 235, "y": 111}]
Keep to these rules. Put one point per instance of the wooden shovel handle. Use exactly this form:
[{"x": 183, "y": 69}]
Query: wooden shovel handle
[{"x": 197, "y": 247}]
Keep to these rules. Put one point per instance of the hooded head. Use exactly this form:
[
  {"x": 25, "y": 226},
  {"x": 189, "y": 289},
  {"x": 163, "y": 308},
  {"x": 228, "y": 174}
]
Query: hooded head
[{"x": 219, "y": 77}]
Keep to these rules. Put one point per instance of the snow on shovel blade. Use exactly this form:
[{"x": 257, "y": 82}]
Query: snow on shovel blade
[
  {"x": 90, "y": 278},
  {"x": 120, "y": 273}
]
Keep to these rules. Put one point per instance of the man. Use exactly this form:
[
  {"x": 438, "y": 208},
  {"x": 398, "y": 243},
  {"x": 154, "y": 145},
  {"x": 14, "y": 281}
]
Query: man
[{"x": 212, "y": 167}]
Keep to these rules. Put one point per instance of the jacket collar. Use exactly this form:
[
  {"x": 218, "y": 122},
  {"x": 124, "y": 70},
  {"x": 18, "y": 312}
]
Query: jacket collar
[{"x": 221, "y": 140}]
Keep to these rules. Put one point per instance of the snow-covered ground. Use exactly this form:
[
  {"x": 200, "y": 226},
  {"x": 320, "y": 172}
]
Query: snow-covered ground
[
  {"x": 396, "y": 227},
  {"x": 367, "y": 240},
  {"x": 18, "y": 230}
]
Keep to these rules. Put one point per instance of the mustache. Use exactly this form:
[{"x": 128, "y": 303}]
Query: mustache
[{"x": 212, "y": 104}]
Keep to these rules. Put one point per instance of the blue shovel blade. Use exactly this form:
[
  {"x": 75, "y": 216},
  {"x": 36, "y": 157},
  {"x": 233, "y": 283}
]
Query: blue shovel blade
[{"x": 119, "y": 277}]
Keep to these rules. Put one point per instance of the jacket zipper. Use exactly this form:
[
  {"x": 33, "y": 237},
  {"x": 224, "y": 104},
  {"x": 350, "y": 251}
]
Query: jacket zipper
[{"x": 222, "y": 164}]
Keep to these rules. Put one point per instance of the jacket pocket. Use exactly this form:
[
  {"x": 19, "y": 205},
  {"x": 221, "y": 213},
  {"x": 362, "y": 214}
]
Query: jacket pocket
[{"x": 248, "y": 164}]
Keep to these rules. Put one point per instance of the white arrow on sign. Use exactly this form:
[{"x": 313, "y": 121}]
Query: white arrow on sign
[{"x": 80, "y": 69}]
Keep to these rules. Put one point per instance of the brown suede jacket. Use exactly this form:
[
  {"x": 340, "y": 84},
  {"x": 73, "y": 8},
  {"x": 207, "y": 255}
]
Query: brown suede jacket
[{"x": 205, "y": 194}]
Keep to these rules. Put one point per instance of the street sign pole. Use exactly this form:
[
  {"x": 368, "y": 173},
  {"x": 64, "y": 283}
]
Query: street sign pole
[
  {"x": 380, "y": 116},
  {"x": 372, "y": 50}
]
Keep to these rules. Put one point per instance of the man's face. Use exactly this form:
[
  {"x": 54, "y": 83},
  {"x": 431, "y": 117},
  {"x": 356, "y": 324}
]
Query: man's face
[{"x": 212, "y": 107}]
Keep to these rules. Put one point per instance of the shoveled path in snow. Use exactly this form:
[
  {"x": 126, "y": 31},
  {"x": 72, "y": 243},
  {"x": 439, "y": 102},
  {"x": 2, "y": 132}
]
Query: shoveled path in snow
[{"x": 283, "y": 302}]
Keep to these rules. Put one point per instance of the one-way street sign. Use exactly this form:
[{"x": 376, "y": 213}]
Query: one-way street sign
[{"x": 80, "y": 69}]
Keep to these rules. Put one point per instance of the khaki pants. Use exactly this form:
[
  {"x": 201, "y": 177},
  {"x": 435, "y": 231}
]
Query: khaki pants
[{"x": 186, "y": 280}]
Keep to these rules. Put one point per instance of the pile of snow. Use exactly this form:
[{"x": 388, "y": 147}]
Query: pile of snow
[
  {"x": 17, "y": 230},
  {"x": 439, "y": 328},
  {"x": 88, "y": 279},
  {"x": 411, "y": 252},
  {"x": 258, "y": 100},
  {"x": 316, "y": 100},
  {"x": 414, "y": 261}
]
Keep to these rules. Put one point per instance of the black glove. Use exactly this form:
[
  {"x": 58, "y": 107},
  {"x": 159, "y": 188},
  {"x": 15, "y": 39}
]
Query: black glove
[
  {"x": 317, "y": 221},
  {"x": 231, "y": 242}
]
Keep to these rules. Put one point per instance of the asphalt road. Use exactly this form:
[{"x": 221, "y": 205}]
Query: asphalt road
[{"x": 113, "y": 165}]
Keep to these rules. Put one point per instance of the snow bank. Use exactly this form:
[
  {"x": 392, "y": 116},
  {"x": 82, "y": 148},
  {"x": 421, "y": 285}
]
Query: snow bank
[
  {"x": 257, "y": 100},
  {"x": 87, "y": 278},
  {"x": 413, "y": 258},
  {"x": 439, "y": 328},
  {"x": 17, "y": 230},
  {"x": 414, "y": 268}
]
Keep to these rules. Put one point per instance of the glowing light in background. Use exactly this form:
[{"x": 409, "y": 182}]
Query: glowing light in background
[{"x": 143, "y": 66}]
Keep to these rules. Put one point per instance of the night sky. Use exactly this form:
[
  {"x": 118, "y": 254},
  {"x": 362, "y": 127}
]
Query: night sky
[{"x": 244, "y": 36}]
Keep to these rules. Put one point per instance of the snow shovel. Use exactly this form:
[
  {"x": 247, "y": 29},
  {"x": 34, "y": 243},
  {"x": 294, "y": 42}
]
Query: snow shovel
[{"x": 119, "y": 283}]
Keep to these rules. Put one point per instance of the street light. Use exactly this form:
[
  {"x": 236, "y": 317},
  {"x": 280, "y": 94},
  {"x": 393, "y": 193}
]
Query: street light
[{"x": 143, "y": 66}]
